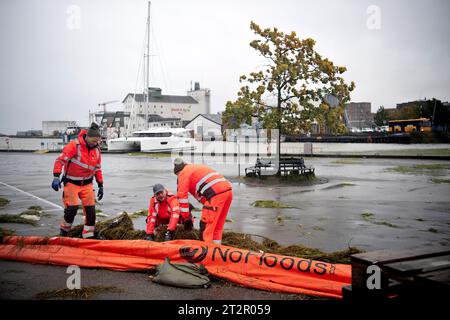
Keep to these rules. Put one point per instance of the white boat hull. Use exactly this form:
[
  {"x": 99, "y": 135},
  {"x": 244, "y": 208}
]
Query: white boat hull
[
  {"x": 166, "y": 144},
  {"x": 124, "y": 145}
]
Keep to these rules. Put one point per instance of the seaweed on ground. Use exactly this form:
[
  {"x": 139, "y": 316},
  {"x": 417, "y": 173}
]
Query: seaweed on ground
[
  {"x": 15, "y": 218},
  {"x": 4, "y": 202},
  {"x": 270, "y": 204},
  {"x": 6, "y": 232},
  {"x": 121, "y": 228},
  {"x": 82, "y": 293}
]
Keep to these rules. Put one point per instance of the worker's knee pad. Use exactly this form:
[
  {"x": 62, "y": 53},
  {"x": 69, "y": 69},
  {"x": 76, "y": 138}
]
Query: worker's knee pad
[
  {"x": 202, "y": 229},
  {"x": 90, "y": 215},
  {"x": 69, "y": 213}
]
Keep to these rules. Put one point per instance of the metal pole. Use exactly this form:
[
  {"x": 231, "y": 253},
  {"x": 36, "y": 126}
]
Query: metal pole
[
  {"x": 147, "y": 84},
  {"x": 239, "y": 159}
]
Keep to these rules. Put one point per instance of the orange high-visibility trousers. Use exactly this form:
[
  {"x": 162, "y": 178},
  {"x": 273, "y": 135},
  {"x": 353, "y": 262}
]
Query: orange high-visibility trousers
[
  {"x": 214, "y": 213},
  {"x": 71, "y": 197},
  {"x": 72, "y": 193}
]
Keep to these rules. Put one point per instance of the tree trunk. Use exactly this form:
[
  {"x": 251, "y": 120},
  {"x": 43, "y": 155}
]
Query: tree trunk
[{"x": 279, "y": 132}]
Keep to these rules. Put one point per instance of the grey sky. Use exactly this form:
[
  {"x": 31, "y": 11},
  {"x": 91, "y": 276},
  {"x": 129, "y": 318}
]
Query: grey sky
[{"x": 52, "y": 72}]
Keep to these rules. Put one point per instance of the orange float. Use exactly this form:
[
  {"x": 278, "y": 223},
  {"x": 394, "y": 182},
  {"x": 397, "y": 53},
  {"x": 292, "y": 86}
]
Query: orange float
[{"x": 263, "y": 271}]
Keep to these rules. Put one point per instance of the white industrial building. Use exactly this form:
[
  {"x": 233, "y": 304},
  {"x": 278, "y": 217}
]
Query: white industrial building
[
  {"x": 56, "y": 128},
  {"x": 156, "y": 121},
  {"x": 141, "y": 106},
  {"x": 206, "y": 126}
]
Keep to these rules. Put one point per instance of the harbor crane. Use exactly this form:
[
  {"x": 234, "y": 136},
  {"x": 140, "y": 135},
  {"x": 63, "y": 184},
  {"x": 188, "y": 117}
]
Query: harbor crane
[{"x": 105, "y": 103}]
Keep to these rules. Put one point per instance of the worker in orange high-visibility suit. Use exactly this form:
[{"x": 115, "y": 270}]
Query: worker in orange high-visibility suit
[
  {"x": 165, "y": 209},
  {"x": 81, "y": 159},
  {"x": 212, "y": 190}
]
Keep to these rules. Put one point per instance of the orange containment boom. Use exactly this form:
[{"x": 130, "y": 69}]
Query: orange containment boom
[{"x": 264, "y": 271}]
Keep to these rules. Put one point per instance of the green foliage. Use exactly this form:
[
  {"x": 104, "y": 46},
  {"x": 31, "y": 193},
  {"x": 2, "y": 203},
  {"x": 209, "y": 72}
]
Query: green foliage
[
  {"x": 288, "y": 93},
  {"x": 381, "y": 117}
]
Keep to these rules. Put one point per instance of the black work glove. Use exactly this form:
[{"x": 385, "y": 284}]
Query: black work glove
[
  {"x": 100, "y": 193},
  {"x": 168, "y": 235},
  {"x": 56, "y": 184},
  {"x": 188, "y": 224},
  {"x": 150, "y": 237}
]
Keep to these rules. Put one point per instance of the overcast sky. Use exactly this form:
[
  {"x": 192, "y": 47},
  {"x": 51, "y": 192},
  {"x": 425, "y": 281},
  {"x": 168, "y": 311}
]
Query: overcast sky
[{"x": 59, "y": 58}]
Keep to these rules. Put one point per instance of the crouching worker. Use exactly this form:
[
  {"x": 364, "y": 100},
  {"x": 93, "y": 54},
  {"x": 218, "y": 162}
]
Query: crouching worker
[
  {"x": 165, "y": 210},
  {"x": 212, "y": 190},
  {"x": 81, "y": 160}
]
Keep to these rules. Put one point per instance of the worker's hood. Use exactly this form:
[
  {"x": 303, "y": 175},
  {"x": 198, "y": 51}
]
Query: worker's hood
[{"x": 81, "y": 138}]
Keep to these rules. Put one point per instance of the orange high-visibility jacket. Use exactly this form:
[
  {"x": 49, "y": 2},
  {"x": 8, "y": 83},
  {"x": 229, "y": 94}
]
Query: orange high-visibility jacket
[
  {"x": 84, "y": 162},
  {"x": 200, "y": 181},
  {"x": 167, "y": 211}
]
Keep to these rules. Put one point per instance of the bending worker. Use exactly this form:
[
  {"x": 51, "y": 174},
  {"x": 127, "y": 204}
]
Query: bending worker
[
  {"x": 212, "y": 190},
  {"x": 165, "y": 209},
  {"x": 81, "y": 159}
]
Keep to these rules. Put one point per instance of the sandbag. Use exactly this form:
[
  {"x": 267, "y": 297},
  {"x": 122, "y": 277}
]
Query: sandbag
[{"x": 182, "y": 275}]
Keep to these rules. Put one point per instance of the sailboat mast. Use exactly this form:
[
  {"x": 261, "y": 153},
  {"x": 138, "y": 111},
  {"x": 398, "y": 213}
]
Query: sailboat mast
[{"x": 147, "y": 81}]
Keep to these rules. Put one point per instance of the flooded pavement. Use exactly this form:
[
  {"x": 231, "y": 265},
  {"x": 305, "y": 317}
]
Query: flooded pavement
[{"x": 356, "y": 202}]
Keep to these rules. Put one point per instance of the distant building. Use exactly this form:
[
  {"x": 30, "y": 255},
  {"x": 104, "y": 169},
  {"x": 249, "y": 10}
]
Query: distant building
[
  {"x": 359, "y": 115},
  {"x": 29, "y": 133},
  {"x": 56, "y": 128},
  {"x": 156, "y": 121},
  {"x": 416, "y": 103},
  {"x": 112, "y": 123},
  {"x": 186, "y": 108},
  {"x": 206, "y": 126}
]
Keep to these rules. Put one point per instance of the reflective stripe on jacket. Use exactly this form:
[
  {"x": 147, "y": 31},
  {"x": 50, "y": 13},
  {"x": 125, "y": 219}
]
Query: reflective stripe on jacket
[{"x": 200, "y": 181}]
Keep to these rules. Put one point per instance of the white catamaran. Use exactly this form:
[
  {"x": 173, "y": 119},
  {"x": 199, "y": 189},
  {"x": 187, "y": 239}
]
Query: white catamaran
[{"x": 154, "y": 140}]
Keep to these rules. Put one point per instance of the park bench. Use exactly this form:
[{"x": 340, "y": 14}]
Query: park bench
[{"x": 288, "y": 166}]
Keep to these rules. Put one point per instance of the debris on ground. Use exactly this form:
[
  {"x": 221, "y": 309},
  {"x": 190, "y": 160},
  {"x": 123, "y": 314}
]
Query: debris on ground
[
  {"x": 245, "y": 241},
  {"x": 3, "y": 202},
  {"x": 270, "y": 204},
  {"x": 440, "y": 180},
  {"x": 82, "y": 293},
  {"x": 339, "y": 185},
  {"x": 29, "y": 216},
  {"x": 14, "y": 218},
  {"x": 121, "y": 228},
  {"x": 280, "y": 220},
  {"x": 369, "y": 217},
  {"x": 35, "y": 208},
  {"x": 6, "y": 232},
  {"x": 139, "y": 213},
  {"x": 41, "y": 151},
  {"x": 436, "y": 169}
]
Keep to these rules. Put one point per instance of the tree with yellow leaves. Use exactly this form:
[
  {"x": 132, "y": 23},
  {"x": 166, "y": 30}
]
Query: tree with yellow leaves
[{"x": 289, "y": 93}]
